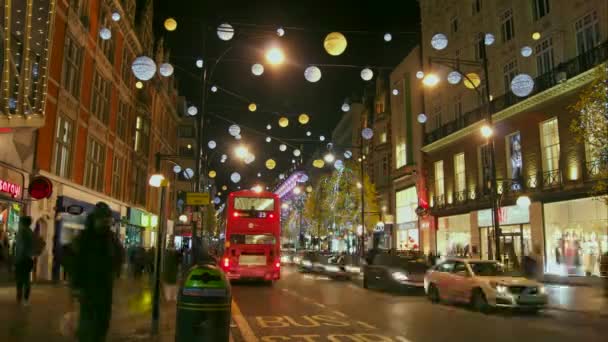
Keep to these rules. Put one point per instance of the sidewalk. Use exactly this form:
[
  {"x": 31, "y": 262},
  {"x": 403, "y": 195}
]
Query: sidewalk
[{"x": 131, "y": 313}]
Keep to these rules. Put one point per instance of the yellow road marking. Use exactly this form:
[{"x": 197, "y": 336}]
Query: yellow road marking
[{"x": 242, "y": 325}]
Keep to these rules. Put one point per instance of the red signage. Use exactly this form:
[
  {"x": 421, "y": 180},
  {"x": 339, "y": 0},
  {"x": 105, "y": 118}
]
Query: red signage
[
  {"x": 40, "y": 187},
  {"x": 10, "y": 188}
]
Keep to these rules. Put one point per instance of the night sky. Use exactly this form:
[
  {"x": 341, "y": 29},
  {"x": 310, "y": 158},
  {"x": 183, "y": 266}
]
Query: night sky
[{"x": 281, "y": 90}]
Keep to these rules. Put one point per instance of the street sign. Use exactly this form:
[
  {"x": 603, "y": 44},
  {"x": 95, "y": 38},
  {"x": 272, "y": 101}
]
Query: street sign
[{"x": 197, "y": 198}]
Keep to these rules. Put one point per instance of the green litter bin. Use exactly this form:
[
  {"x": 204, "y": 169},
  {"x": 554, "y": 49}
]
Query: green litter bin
[{"x": 203, "y": 306}]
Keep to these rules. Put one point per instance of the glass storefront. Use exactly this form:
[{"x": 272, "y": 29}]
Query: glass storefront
[
  {"x": 576, "y": 235},
  {"x": 454, "y": 235},
  {"x": 407, "y": 234}
]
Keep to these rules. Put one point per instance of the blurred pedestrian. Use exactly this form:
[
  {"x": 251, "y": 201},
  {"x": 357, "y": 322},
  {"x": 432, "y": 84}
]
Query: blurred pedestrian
[
  {"x": 97, "y": 260},
  {"x": 23, "y": 259}
]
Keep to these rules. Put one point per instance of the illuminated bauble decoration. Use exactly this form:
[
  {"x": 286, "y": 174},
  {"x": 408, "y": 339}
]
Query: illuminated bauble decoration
[
  {"x": 422, "y": 118},
  {"x": 143, "y": 68},
  {"x": 105, "y": 33},
  {"x": 115, "y": 16},
  {"x": 345, "y": 107},
  {"x": 303, "y": 119},
  {"x": 536, "y": 35},
  {"x": 454, "y": 77},
  {"x": 225, "y": 31},
  {"x": 388, "y": 37},
  {"x": 214, "y": 89},
  {"x": 283, "y": 122},
  {"x": 165, "y": 69},
  {"x": 224, "y": 188},
  {"x": 139, "y": 84},
  {"x": 199, "y": 63},
  {"x": 257, "y": 69},
  {"x": 188, "y": 173},
  {"x": 235, "y": 177},
  {"x": 395, "y": 91},
  {"x": 335, "y": 43},
  {"x": 419, "y": 75},
  {"x": 281, "y": 176},
  {"x": 522, "y": 85},
  {"x": 177, "y": 169},
  {"x": 212, "y": 174},
  {"x": 348, "y": 154},
  {"x": 192, "y": 110},
  {"x": 489, "y": 39},
  {"x": 293, "y": 161},
  {"x": 270, "y": 164},
  {"x": 252, "y": 107},
  {"x": 268, "y": 127},
  {"x": 439, "y": 41},
  {"x": 249, "y": 158},
  {"x": 309, "y": 133},
  {"x": 170, "y": 24},
  {"x": 297, "y": 153},
  {"x": 472, "y": 80},
  {"x": 339, "y": 165},
  {"x": 211, "y": 144},
  {"x": 526, "y": 51},
  {"x": 322, "y": 138},
  {"x": 268, "y": 139},
  {"x": 367, "y": 74},
  {"x": 312, "y": 74},
  {"x": 234, "y": 130},
  {"x": 523, "y": 201},
  {"x": 238, "y": 137},
  {"x": 367, "y": 133},
  {"x": 318, "y": 163},
  {"x": 217, "y": 200},
  {"x": 259, "y": 174},
  {"x": 283, "y": 147},
  {"x": 280, "y": 32},
  {"x": 309, "y": 189}
]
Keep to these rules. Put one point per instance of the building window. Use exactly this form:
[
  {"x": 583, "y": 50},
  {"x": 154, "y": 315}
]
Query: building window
[
  {"x": 514, "y": 159},
  {"x": 587, "y": 33},
  {"x": 400, "y": 155},
  {"x": 509, "y": 72},
  {"x": 117, "y": 170},
  {"x": 459, "y": 173},
  {"x": 406, "y": 202},
  {"x": 106, "y": 45},
  {"x": 100, "y": 102},
  {"x": 125, "y": 66},
  {"x": 72, "y": 62},
  {"x": 549, "y": 135},
  {"x": 540, "y": 8},
  {"x": 94, "y": 167},
  {"x": 439, "y": 189},
  {"x": 458, "y": 108},
  {"x": 454, "y": 24},
  {"x": 63, "y": 147},
  {"x": 142, "y": 135},
  {"x": 379, "y": 107},
  {"x": 544, "y": 56},
  {"x": 186, "y": 151},
  {"x": 139, "y": 180},
  {"x": 121, "y": 120},
  {"x": 508, "y": 28},
  {"x": 475, "y": 6}
]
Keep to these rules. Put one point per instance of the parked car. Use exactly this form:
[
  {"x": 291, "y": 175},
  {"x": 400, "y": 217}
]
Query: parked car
[
  {"x": 312, "y": 262},
  {"x": 394, "y": 272},
  {"x": 335, "y": 267},
  {"x": 483, "y": 284}
]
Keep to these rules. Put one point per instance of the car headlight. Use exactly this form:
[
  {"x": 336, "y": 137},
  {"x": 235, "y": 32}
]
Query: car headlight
[
  {"x": 332, "y": 268},
  {"x": 499, "y": 288},
  {"x": 306, "y": 263},
  {"x": 399, "y": 276}
]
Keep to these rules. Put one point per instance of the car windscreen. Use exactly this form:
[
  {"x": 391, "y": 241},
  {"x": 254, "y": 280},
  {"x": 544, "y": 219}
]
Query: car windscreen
[
  {"x": 254, "y": 203},
  {"x": 252, "y": 239},
  {"x": 490, "y": 269}
]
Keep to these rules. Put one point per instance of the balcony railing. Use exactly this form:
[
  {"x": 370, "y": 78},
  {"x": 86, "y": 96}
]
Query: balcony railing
[
  {"x": 596, "y": 168},
  {"x": 552, "y": 179},
  {"x": 460, "y": 196},
  {"x": 543, "y": 82},
  {"x": 439, "y": 201}
]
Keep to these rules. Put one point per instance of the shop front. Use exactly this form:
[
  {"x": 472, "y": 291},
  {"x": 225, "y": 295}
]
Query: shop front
[
  {"x": 454, "y": 236},
  {"x": 11, "y": 204},
  {"x": 141, "y": 228},
  {"x": 576, "y": 236},
  {"x": 515, "y": 238},
  {"x": 407, "y": 233}
]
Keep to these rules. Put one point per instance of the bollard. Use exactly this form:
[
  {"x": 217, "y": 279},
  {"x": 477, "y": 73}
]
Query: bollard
[{"x": 203, "y": 306}]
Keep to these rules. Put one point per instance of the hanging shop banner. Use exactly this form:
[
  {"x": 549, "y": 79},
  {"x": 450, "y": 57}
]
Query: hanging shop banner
[{"x": 508, "y": 215}]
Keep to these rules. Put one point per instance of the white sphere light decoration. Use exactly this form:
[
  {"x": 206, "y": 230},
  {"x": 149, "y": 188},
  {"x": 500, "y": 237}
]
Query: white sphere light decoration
[
  {"x": 234, "y": 130},
  {"x": 312, "y": 74},
  {"x": 454, "y": 77},
  {"x": 322, "y": 138},
  {"x": 280, "y": 32},
  {"x": 439, "y": 41},
  {"x": 281, "y": 176},
  {"x": 235, "y": 177},
  {"x": 367, "y": 133},
  {"x": 395, "y": 91},
  {"x": 192, "y": 111},
  {"x": 388, "y": 37},
  {"x": 348, "y": 154},
  {"x": 249, "y": 158},
  {"x": 268, "y": 139},
  {"x": 188, "y": 173},
  {"x": 217, "y": 200},
  {"x": 268, "y": 127},
  {"x": 297, "y": 153},
  {"x": 309, "y": 133},
  {"x": 367, "y": 74},
  {"x": 225, "y": 31},
  {"x": 238, "y": 137},
  {"x": 257, "y": 69},
  {"x": 422, "y": 118},
  {"x": 259, "y": 174},
  {"x": 339, "y": 165},
  {"x": 115, "y": 16},
  {"x": 199, "y": 63},
  {"x": 143, "y": 68},
  {"x": 165, "y": 69},
  {"x": 526, "y": 51},
  {"x": 522, "y": 85},
  {"x": 105, "y": 33},
  {"x": 211, "y": 144},
  {"x": 177, "y": 169},
  {"x": 214, "y": 89},
  {"x": 345, "y": 107},
  {"x": 420, "y": 74},
  {"x": 283, "y": 147},
  {"x": 489, "y": 39}
]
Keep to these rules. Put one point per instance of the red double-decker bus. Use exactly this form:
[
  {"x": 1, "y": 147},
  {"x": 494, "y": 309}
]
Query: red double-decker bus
[{"x": 252, "y": 236}]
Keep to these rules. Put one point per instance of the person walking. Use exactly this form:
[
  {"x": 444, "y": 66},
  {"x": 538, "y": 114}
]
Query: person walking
[
  {"x": 23, "y": 259},
  {"x": 98, "y": 256}
]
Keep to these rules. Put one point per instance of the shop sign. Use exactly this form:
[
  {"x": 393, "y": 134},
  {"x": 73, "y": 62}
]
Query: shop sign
[
  {"x": 10, "y": 188},
  {"x": 379, "y": 227},
  {"x": 507, "y": 215}
]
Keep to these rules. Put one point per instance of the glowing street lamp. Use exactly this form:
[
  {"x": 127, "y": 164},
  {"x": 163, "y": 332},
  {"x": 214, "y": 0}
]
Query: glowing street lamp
[
  {"x": 156, "y": 180},
  {"x": 359, "y": 185},
  {"x": 183, "y": 218},
  {"x": 486, "y": 131},
  {"x": 257, "y": 188},
  {"x": 241, "y": 152},
  {"x": 430, "y": 80},
  {"x": 275, "y": 56}
]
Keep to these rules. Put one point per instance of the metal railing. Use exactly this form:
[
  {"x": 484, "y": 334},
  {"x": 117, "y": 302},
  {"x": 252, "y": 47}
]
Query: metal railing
[
  {"x": 460, "y": 196},
  {"x": 596, "y": 168},
  {"x": 559, "y": 74},
  {"x": 552, "y": 179}
]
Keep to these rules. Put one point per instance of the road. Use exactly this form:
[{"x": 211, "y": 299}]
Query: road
[{"x": 303, "y": 307}]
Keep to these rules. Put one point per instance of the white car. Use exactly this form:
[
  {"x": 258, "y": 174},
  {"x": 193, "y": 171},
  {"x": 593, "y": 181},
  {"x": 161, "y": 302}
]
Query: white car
[{"x": 483, "y": 284}]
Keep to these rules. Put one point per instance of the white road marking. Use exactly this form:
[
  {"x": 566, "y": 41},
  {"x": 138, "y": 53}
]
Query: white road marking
[
  {"x": 320, "y": 305},
  {"x": 242, "y": 324},
  {"x": 340, "y": 313}
]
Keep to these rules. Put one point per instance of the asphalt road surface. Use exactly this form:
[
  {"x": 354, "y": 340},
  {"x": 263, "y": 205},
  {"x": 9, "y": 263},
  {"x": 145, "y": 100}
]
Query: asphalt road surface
[{"x": 303, "y": 307}]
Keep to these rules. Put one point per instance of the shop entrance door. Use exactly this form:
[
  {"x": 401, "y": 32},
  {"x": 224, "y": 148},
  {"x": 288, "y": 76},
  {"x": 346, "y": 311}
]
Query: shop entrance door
[{"x": 514, "y": 244}]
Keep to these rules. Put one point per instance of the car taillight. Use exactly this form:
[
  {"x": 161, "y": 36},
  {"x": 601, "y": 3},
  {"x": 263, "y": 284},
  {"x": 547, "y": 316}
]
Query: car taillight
[
  {"x": 235, "y": 214},
  {"x": 271, "y": 215},
  {"x": 226, "y": 262}
]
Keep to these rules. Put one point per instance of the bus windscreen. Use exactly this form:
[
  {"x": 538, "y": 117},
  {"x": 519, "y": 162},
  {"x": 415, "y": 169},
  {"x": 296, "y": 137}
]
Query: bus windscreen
[{"x": 252, "y": 239}]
